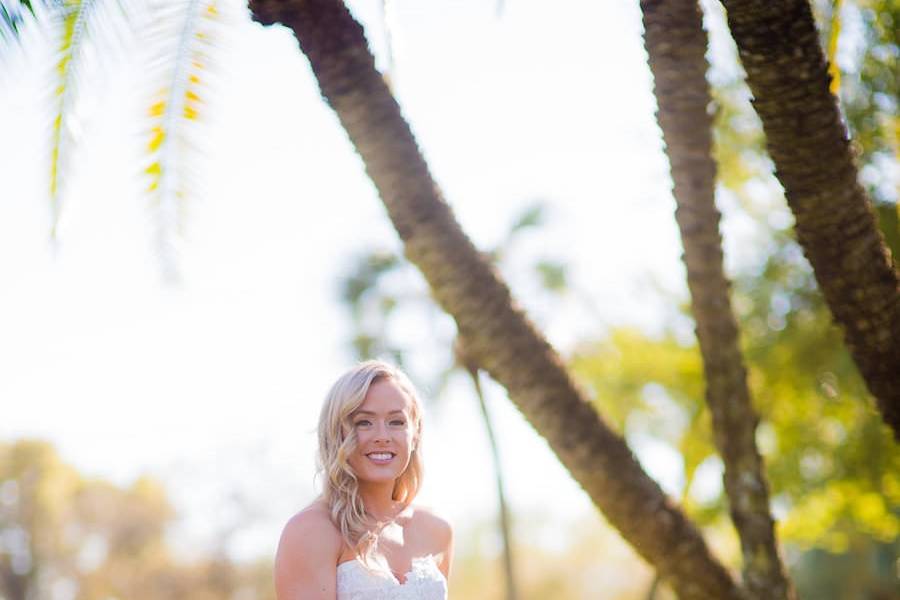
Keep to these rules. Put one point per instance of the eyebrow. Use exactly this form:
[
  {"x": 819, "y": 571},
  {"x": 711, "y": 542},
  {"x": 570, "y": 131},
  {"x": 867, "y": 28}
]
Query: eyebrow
[{"x": 369, "y": 412}]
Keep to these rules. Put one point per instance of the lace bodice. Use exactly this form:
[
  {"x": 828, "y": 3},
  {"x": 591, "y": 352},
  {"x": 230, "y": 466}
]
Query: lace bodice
[{"x": 424, "y": 581}]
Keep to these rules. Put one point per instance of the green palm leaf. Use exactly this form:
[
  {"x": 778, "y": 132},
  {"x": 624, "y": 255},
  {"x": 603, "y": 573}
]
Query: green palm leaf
[{"x": 12, "y": 16}]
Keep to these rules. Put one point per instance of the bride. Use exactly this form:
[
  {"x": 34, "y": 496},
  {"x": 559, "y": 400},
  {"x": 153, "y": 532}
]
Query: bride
[{"x": 363, "y": 538}]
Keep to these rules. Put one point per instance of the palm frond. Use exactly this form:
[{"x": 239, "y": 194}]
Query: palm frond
[
  {"x": 183, "y": 36},
  {"x": 12, "y": 16},
  {"x": 833, "y": 35},
  {"x": 553, "y": 275},
  {"x": 72, "y": 16},
  {"x": 72, "y": 26},
  {"x": 366, "y": 272},
  {"x": 534, "y": 215}
]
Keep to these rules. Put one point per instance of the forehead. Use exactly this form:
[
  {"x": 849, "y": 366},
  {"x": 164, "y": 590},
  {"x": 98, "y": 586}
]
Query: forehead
[{"x": 385, "y": 396}]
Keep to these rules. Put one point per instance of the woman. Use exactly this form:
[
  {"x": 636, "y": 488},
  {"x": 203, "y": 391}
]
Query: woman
[{"x": 363, "y": 538}]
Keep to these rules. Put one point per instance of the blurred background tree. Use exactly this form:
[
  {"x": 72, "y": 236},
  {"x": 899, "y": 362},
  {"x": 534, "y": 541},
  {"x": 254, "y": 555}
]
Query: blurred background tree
[{"x": 64, "y": 535}]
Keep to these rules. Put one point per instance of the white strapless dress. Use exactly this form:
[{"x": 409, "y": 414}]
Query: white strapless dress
[{"x": 423, "y": 582}]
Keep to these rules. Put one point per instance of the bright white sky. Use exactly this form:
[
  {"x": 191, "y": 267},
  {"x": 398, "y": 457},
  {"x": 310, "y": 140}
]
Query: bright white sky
[{"x": 216, "y": 385}]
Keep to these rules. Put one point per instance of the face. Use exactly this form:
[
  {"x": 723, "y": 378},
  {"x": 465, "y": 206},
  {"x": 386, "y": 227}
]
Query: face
[{"x": 384, "y": 431}]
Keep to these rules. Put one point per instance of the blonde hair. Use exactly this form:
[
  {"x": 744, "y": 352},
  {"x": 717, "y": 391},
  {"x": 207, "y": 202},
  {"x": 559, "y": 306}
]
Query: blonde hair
[{"x": 337, "y": 441}]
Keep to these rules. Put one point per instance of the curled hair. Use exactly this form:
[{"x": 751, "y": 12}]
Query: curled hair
[{"x": 337, "y": 441}]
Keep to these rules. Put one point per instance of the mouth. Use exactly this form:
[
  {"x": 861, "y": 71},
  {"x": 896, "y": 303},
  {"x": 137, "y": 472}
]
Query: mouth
[{"x": 381, "y": 458}]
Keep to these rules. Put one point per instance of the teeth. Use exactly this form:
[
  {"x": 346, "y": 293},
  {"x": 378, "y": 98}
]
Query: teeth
[{"x": 381, "y": 455}]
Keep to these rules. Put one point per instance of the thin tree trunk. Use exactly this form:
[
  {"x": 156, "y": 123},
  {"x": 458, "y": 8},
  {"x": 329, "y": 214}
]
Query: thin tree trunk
[
  {"x": 505, "y": 527},
  {"x": 654, "y": 586},
  {"x": 15, "y": 587},
  {"x": 676, "y": 46},
  {"x": 836, "y": 226},
  {"x": 496, "y": 330}
]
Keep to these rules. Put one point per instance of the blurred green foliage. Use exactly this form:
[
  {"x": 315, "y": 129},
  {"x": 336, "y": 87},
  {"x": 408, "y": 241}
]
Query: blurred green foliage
[
  {"x": 870, "y": 87},
  {"x": 833, "y": 466}
]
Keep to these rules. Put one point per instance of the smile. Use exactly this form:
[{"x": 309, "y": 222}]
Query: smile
[{"x": 381, "y": 458}]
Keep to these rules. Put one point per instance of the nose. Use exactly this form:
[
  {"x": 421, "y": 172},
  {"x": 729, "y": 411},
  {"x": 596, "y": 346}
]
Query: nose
[{"x": 381, "y": 433}]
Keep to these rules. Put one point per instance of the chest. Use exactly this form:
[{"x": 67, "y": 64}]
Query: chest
[{"x": 394, "y": 550}]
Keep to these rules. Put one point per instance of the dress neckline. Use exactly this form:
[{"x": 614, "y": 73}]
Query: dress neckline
[{"x": 394, "y": 578}]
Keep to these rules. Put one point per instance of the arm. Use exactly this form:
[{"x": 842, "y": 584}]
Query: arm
[{"x": 306, "y": 561}]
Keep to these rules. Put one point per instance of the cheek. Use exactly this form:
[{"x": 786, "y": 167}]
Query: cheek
[
  {"x": 358, "y": 444},
  {"x": 404, "y": 435},
  {"x": 409, "y": 441}
]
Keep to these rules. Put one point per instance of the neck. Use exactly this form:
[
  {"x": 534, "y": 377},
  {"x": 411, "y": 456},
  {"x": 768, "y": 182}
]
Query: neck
[{"x": 378, "y": 500}]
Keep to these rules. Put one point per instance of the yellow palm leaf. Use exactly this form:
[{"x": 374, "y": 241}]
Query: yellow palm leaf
[
  {"x": 833, "y": 36},
  {"x": 183, "y": 35},
  {"x": 74, "y": 14}
]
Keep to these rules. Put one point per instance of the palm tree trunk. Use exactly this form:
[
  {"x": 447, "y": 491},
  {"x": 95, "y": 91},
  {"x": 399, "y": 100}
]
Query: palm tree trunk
[
  {"x": 496, "y": 330},
  {"x": 676, "y": 47},
  {"x": 836, "y": 226}
]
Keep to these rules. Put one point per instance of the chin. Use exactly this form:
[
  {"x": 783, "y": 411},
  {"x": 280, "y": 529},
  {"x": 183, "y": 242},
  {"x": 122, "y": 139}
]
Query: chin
[
  {"x": 379, "y": 478},
  {"x": 369, "y": 474}
]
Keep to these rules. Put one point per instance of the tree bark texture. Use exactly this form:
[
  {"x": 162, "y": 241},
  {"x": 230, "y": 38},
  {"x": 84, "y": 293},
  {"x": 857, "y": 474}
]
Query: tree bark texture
[
  {"x": 836, "y": 225},
  {"x": 497, "y": 331},
  {"x": 676, "y": 46}
]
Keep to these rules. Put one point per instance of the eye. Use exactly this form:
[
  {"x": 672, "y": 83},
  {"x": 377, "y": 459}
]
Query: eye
[
  {"x": 363, "y": 423},
  {"x": 398, "y": 422}
]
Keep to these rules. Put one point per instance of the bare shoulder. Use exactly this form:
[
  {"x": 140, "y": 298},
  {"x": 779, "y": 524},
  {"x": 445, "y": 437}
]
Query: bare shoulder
[
  {"x": 313, "y": 527},
  {"x": 438, "y": 533},
  {"x": 431, "y": 521},
  {"x": 307, "y": 555}
]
